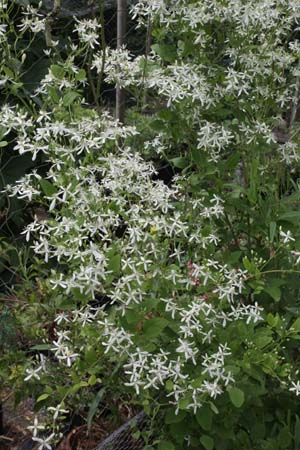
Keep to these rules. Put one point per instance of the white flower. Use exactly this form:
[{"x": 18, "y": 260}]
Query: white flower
[
  {"x": 297, "y": 256},
  {"x": 44, "y": 443},
  {"x": 33, "y": 373},
  {"x": 88, "y": 31},
  {"x": 67, "y": 355},
  {"x": 287, "y": 237},
  {"x": 170, "y": 306},
  {"x": 118, "y": 339},
  {"x": 35, "y": 427},
  {"x": 295, "y": 387},
  {"x": 58, "y": 410},
  {"x": 42, "y": 361},
  {"x": 62, "y": 317},
  {"x": 195, "y": 404},
  {"x": 3, "y": 29},
  {"x": 188, "y": 350},
  {"x": 61, "y": 336},
  {"x": 212, "y": 388},
  {"x": 34, "y": 24},
  {"x": 213, "y": 138}
]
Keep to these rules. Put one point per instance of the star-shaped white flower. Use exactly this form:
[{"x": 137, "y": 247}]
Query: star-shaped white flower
[
  {"x": 44, "y": 443},
  {"x": 295, "y": 387},
  {"x": 58, "y": 410}
]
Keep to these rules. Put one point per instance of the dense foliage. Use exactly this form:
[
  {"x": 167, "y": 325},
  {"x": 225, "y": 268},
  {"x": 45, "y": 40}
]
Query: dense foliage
[{"x": 164, "y": 271}]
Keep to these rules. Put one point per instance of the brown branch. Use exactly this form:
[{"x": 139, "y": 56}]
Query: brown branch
[
  {"x": 49, "y": 21},
  {"x": 121, "y": 31}
]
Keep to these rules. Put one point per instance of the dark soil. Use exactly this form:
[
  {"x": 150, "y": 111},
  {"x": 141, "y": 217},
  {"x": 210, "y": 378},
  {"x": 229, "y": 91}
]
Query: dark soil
[{"x": 15, "y": 437}]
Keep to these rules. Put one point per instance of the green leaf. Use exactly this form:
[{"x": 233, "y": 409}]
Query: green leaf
[
  {"x": 42, "y": 397},
  {"x": 157, "y": 125},
  {"x": 274, "y": 292},
  {"x": 8, "y": 72},
  {"x": 76, "y": 387},
  {"x": 15, "y": 87},
  {"x": 70, "y": 97},
  {"x": 204, "y": 417},
  {"x": 47, "y": 187},
  {"x": 115, "y": 264},
  {"x": 272, "y": 320},
  {"x": 284, "y": 438},
  {"x": 171, "y": 417},
  {"x": 237, "y": 396},
  {"x": 165, "y": 445},
  {"x": 58, "y": 71},
  {"x": 257, "y": 286},
  {"x": 207, "y": 442},
  {"x": 214, "y": 408},
  {"x": 186, "y": 46},
  {"x": 169, "y": 385},
  {"x": 94, "y": 406},
  {"x": 180, "y": 162},
  {"x": 262, "y": 341},
  {"x": 90, "y": 356},
  {"x": 167, "y": 114},
  {"x": 195, "y": 179},
  {"x": 249, "y": 265},
  {"x": 272, "y": 231},
  {"x": 80, "y": 75},
  {"x": 136, "y": 435},
  {"x": 3, "y": 144},
  {"x": 197, "y": 157},
  {"x": 41, "y": 347},
  {"x": 165, "y": 51},
  {"x": 133, "y": 317},
  {"x": 297, "y": 431},
  {"x": 184, "y": 402},
  {"x": 154, "y": 327},
  {"x": 54, "y": 94},
  {"x": 233, "y": 160},
  {"x": 231, "y": 257},
  {"x": 292, "y": 216},
  {"x": 258, "y": 430},
  {"x": 92, "y": 380},
  {"x": 296, "y": 325}
]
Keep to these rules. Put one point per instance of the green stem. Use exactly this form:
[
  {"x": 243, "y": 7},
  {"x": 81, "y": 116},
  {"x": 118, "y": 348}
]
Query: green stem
[
  {"x": 227, "y": 220},
  {"x": 272, "y": 257},
  {"x": 275, "y": 271},
  {"x": 91, "y": 81}
]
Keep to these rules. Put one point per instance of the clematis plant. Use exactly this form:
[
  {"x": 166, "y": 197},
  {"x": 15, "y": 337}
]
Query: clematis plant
[{"x": 174, "y": 297}]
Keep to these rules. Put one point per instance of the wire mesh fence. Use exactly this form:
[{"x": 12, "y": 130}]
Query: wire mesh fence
[
  {"x": 79, "y": 8},
  {"x": 123, "y": 438}
]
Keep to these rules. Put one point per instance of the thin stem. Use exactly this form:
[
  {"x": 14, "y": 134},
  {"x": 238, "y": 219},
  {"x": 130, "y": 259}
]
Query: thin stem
[
  {"x": 227, "y": 220},
  {"x": 274, "y": 271},
  {"x": 121, "y": 30},
  {"x": 91, "y": 81},
  {"x": 1, "y": 419},
  {"x": 103, "y": 46},
  {"x": 272, "y": 257},
  {"x": 148, "y": 47},
  {"x": 295, "y": 101}
]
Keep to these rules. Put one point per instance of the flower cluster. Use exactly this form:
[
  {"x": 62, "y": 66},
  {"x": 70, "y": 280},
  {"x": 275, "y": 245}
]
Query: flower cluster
[
  {"x": 126, "y": 235},
  {"x": 154, "y": 278},
  {"x": 88, "y": 32}
]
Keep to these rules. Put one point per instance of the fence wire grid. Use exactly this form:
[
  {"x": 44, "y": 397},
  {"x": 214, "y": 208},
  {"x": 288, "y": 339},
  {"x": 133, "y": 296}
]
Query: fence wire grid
[{"x": 122, "y": 438}]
